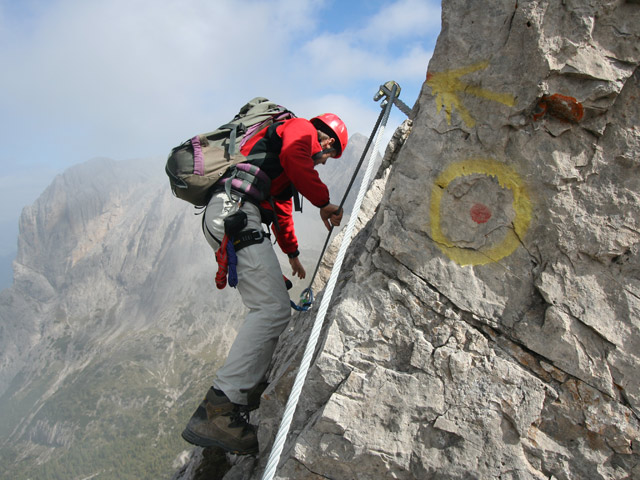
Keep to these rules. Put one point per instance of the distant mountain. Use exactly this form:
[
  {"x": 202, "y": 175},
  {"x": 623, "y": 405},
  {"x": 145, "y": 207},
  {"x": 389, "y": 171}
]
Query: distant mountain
[
  {"x": 113, "y": 328},
  {"x": 6, "y": 274}
]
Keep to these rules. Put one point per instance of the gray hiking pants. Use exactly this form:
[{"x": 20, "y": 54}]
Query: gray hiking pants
[{"x": 263, "y": 292}]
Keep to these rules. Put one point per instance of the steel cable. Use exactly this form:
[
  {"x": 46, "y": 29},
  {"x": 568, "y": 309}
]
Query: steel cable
[{"x": 292, "y": 402}]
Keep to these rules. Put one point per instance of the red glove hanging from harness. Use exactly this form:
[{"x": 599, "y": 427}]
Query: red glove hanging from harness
[{"x": 223, "y": 263}]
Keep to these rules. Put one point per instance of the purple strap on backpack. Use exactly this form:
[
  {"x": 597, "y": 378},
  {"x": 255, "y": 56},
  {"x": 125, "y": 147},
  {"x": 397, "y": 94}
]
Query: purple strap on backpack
[
  {"x": 198, "y": 158},
  {"x": 249, "y": 168},
  {"x": 246, "y": 186}
]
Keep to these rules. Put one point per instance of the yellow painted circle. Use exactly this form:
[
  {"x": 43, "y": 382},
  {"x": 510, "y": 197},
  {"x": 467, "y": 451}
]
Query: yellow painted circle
[{"x": 507, "y": 178}]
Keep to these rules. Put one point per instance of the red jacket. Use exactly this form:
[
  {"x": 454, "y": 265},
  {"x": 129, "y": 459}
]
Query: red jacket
[{"x": 288, "y": 148}]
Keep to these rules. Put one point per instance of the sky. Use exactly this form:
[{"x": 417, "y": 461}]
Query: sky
[{"x": 128, "y": 79}]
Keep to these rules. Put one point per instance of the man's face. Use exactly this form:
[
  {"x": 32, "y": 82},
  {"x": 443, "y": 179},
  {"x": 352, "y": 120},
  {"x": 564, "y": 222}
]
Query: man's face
[{"x": 321, "y": 159}]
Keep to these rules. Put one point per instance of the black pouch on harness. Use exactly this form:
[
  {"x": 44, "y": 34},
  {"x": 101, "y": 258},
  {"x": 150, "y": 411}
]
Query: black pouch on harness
[{"x": 235, "y": 223}]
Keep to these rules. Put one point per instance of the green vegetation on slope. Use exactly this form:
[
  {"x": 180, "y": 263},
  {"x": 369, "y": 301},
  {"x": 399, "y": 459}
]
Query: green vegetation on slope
[{"x": 118, "y": 418}]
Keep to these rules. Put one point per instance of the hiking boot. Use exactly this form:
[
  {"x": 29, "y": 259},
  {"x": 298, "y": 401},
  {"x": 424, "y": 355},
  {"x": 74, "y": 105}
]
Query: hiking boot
[
  {"x": 230, "y": 431},
  {"x": 215, "y": 403},
  {"x": 254, "y": 395}
]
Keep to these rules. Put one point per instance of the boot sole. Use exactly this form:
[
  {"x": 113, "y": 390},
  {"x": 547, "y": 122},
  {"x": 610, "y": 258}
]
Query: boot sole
[{"x": 198, "y": 441}]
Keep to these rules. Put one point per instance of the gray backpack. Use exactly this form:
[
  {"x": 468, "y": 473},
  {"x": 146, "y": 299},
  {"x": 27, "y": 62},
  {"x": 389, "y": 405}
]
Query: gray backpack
[{"x": 195, "y": 166}]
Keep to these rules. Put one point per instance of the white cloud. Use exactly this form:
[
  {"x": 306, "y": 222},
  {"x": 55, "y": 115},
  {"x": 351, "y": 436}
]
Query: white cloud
[
  {"x": 393, "y": 44},
  {"x": 357, "y": 117},
  {"x": 134, "y": 77},
  {"x": 402, "y": 19},
  {"x": 342, "y": 62},
  {"x": 129, "y": 70}
]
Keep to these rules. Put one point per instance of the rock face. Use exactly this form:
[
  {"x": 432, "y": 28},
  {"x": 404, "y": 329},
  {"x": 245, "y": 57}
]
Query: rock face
[{"x": 487, "y": 321}]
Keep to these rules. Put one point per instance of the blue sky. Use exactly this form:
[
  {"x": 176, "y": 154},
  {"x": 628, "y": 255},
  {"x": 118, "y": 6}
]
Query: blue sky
[{"x": 129, "y": 79}]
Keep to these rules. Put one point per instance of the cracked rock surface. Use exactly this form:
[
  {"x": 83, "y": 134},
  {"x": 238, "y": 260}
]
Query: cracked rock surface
[{"x": 486, "y": 323}]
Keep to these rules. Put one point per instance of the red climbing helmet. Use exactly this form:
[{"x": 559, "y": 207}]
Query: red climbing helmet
[{"x": 331, "y": 124}]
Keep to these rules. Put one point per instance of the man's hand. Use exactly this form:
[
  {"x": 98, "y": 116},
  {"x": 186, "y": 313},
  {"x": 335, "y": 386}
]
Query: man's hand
[
  {"x": 297, "y": 268},
  {"x": 331, "y": 213}
]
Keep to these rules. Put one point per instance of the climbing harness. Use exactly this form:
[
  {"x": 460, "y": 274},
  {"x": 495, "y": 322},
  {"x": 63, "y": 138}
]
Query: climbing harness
[
  {"x": 391, "y": 96},
  {"x": 390, "y": 99},
  {"x": 235, "y": 239},
  {"x": 226, "y": 255}
]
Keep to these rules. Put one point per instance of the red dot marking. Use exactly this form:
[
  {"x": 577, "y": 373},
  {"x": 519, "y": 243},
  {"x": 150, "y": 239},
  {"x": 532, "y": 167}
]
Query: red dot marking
[{"x": 480, "y": 213}]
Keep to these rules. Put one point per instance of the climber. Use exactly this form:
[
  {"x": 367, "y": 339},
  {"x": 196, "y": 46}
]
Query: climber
[{"x": 288, "y": 152}]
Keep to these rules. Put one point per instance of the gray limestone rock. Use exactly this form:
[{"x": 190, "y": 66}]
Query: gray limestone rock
[{"x": 486, "y": 322}]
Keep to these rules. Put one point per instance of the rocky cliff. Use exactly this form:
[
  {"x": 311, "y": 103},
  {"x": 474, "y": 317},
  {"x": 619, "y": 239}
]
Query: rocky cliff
[{"x": 487, "y": 321}]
